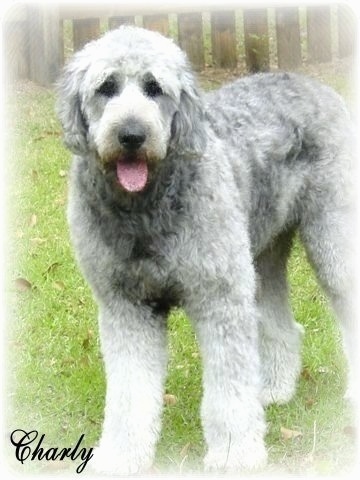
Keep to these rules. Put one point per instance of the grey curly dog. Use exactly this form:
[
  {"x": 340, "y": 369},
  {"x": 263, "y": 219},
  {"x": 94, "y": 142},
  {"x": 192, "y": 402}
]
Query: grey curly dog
[{"x": 179, "y": 198}]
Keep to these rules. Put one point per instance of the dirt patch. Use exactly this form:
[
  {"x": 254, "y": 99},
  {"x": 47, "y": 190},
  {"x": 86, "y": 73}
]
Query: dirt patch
[{"x": 342, "y": 69}]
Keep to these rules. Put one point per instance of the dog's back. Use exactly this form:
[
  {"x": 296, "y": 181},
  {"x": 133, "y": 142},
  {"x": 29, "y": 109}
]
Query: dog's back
[{"x": 286, "y": 129}]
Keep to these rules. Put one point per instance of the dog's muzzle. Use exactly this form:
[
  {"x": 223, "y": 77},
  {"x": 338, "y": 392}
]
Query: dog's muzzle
[
  {"x": 131, "y": 165},
  {"x": 132, "y": 136}
]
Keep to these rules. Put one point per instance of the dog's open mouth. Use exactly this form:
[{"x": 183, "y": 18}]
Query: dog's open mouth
[{"x": 132, "y": 173}]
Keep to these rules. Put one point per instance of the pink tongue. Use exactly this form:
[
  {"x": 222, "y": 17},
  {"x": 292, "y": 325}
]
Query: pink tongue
[{"x": 132, "y": 175}]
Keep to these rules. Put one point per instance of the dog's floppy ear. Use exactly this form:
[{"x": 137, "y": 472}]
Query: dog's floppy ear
[
  {"x": 187, "y": 128},
  {"x": 69, "y": 108}
]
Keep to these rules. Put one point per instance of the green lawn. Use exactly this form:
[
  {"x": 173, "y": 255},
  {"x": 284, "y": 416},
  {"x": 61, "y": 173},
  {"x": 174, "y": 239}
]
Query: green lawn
[{"x": 56, "y": 381}]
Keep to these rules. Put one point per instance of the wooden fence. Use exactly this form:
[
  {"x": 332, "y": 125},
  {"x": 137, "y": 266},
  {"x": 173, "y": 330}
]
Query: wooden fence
[{"x": 38, "y": 40}]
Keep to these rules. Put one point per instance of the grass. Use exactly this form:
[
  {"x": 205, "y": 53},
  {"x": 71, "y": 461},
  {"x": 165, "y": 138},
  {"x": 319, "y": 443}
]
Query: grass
[{"x": 55, "y": 373}]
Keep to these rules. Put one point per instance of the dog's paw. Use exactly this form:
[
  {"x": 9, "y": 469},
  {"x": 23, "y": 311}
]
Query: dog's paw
[
  {"x": 109, "y": 461},
  {"x": 239, "y": 457}
]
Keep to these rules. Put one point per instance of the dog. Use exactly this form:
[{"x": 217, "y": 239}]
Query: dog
[{"x": 179, "y": 198}]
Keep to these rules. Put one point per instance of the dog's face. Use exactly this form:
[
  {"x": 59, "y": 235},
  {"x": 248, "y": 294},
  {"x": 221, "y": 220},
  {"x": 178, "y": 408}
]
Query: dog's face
[
  {"x": 130, "y": 125},
  {"x": 127, "y": 99}
]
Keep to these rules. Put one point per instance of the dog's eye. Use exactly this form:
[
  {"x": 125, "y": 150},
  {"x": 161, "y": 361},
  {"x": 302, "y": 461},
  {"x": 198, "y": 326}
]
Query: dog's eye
[
  {"x": 152, "y": 89},
  {"x": 108, "y": 89}
]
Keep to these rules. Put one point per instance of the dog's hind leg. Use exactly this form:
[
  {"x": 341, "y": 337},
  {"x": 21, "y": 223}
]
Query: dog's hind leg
[
  {"x": 280, "y": 337},
  {"x": 330, "y": 240}
]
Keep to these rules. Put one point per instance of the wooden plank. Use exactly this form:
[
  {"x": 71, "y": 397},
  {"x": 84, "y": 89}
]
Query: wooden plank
[
  {"x": 16, "y": 12},
  {"x": 85, "y": 30},
  {"x": 223, "y": 39},
  {"x": 348, "y": 31},
  {"x": 159, "y": 23},
  {"x": 288, "y": 37},
  {"x": 115, "y": 22},
  {"x": 44, "y": 44},
  {"x": 191, "y": 38},
  {"x": 61, "y": 43},
  {"x": 16, "y": 55},
  {"x": 319, "y": 34},
  {"x": 155, "y": 7},
  {"x": 256, "y": 34}
]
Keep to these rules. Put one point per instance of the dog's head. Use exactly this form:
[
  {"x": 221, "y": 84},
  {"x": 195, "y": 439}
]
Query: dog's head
[{"x": 127, "y": 100}]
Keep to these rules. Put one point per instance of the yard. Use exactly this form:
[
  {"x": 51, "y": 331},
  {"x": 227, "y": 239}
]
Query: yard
[{"x": 56, "y": 378}]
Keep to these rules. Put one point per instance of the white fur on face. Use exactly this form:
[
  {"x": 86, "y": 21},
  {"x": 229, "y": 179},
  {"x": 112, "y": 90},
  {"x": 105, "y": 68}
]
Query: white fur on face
[{"x": 131, "y": 104}]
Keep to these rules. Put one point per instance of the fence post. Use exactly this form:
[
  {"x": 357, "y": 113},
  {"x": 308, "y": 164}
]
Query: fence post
[
  {"x": 44, "y": 42},
  {"x": 85, "y": 30},
  {"x": 223, "y": 39},
  {"x": 61, "y": 43},
  {"x": 15, "y": 44},
  {"x": 256, "y": 39},
  {"x": 347, "y": 31},
  {"x": 319, "y": 34},
  {"x": 191, "y": 38},
  {"x": 288, "y": 37},
  {"x": 115, "y": 22},
  {"x": 159, "y": 23}
]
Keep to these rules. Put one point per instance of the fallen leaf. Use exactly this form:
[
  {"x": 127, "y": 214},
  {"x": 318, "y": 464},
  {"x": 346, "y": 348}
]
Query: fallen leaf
[
  {"x": 350, "y": 431},
  {"x": 46, "y": 134},
  {"x": 38, "y": 241},
  {"x": 59, "y": 285},
  {"x": 60, "y": 201},
  {"x": 94, "y": 422},
  {"x": 309, "y": 402},
  {"x": 67, "y": 361},
  {"x": 84, "y": 361},
  {"x": 306, "y": 374},
  {"x": 51, "y": 268},
  {"x": 33, "y": 220},
  {"x": 87, "y": 340},
  {"x": 287, "y": 434},
  {"x": 185, "y": 450},
  {"x": 23, "y": 285},
  {"x": 169, "y": 399}
]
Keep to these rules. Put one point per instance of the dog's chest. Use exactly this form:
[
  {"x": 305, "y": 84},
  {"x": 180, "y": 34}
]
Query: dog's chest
[{"x": 147, "y": 273}]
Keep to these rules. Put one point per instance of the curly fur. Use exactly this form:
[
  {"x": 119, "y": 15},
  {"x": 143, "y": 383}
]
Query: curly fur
[{"x": 233, "y": 174}]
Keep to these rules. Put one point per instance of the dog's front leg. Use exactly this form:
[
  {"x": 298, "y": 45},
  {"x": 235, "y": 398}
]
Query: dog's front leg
[
  {"x": 232, "y": 416},
  {"x": 133, "y": 342}
]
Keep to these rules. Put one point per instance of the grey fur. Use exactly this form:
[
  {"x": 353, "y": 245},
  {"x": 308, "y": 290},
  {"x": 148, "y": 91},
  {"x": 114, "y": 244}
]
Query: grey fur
[{"x": 232, "y": 175}]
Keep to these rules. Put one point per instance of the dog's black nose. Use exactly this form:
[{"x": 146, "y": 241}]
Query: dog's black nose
[{"x": 132, "y": 136}]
